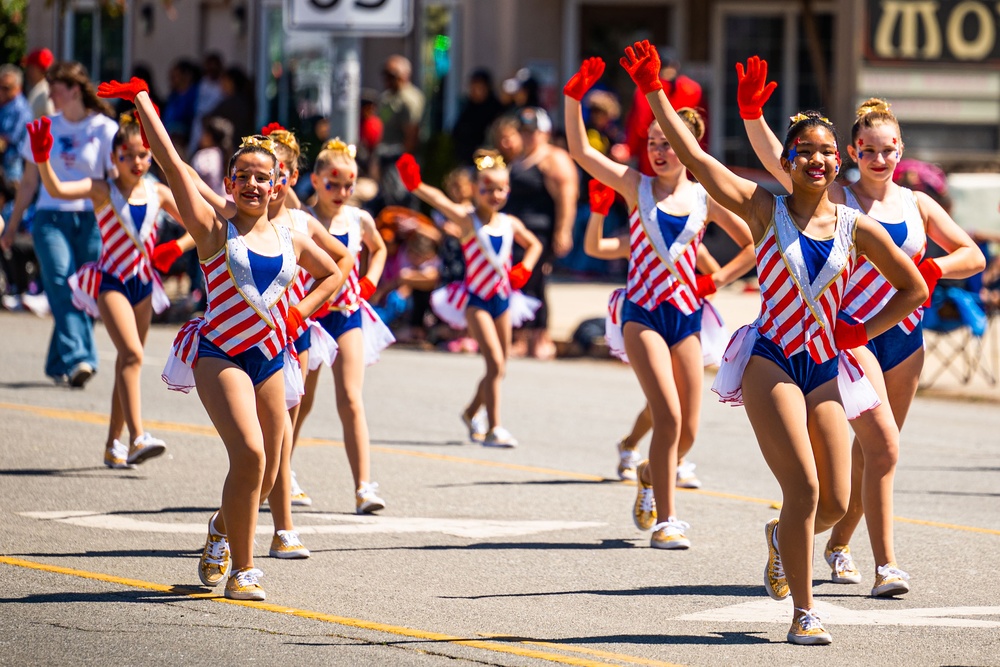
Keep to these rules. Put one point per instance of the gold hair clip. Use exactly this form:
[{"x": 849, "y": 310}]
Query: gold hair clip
[
  {"x": 338, "y": 146},
  {"x": 259, "y": 142},
  {"x": 799, "y": 117},
  {"x": 489, "y": 162},
  {"x": 127, "y": 119}
]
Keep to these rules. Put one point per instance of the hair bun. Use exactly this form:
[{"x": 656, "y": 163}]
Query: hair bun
[
  {"x": 337, "y": 145},
  {"x": 873, "y": 105}
]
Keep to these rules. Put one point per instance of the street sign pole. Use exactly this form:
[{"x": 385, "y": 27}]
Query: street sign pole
[{"x": 345, "y": 121}]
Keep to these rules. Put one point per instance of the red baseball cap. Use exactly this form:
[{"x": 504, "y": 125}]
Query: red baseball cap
[{"x": 41, "y": 58}]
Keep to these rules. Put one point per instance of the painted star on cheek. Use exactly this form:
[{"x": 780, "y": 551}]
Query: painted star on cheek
[{"x": 334, "y": 172}]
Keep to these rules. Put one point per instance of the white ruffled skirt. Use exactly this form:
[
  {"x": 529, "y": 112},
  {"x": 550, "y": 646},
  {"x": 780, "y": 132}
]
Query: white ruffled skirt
[
  {"x": 450, "y": 302},
  {"x": 85, "y": 287}
]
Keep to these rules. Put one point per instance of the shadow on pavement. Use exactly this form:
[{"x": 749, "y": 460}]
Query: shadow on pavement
[{"x": 719, "y": 590}]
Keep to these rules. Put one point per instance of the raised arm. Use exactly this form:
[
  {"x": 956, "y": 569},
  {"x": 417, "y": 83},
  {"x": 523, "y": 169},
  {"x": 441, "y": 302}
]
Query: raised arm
[
  {"x": 738, "y": 231},
  {"x": 741, "y": 196},
  {"x": 409, "y": 172},
  {"x": 40, "y": 137},
  {"x": 595, "y": 244},
  {"x": 222, "y": 206},
  {"x": 618, "y": 176},
  {"x": 752, "y": 93},
  {"x": 199, "y": 218}
]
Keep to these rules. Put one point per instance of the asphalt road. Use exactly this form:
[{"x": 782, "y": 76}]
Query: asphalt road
[{"x": 522, "y": 557}]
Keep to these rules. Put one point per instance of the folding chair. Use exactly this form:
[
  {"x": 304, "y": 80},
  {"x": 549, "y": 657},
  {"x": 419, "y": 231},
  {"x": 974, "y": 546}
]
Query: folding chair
[{"x": 960, "y": 337}]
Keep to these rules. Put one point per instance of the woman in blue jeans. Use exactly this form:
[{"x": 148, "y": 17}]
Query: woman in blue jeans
[{"x": 65, "y": 232}]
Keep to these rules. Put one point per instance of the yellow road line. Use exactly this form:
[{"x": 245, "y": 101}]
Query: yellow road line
[
  {"x": 424, "y": 635},
  {"x": 195, "y": 429},
  {"x": 588, "y": 651}
]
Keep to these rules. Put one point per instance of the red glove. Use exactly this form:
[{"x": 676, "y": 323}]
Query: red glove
[
  {"x": 142, "y": 130},
  {"x": 847, "y": 336},
  {"x": 322, "y": 311},
  {"x": 752, "y": 93},
  {"x": 519, "y": 275},
  {"x": 366, "y": 288},
  {"x": 704, "y": 285},
  {"x": 41, "y": 139},
  {"x": 125, "y": 91},
  {"x": 165, "y": 254},
  {"x": 295, "y": 325},
  {"x": 643, "y": 64},
  {"x": 591, "y": 70},
  {"x": 409, "y": 171},
  {"x": 601, "y": 197},
  {"x": 931, "y": 273}
]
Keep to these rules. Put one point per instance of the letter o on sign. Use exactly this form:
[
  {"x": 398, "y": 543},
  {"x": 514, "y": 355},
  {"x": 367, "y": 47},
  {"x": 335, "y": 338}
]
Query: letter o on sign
[{"x": 982, "y": 45}]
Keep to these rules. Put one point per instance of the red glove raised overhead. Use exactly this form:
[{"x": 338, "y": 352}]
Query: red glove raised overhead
[
  {"x": 41, "y": 139},
  {"x": 366, "y": 288},
  {"x": 601, "y": 197},
  {"x": 752, "y": 92},
  {"x": 165, "y": 254},
  {"x": 704, "y": 285},
  {"x": 931, "y": 273},
  {"x": 590, "y": 71},
  {"x": 643, "y": 64},
  {"x": 125, "y": 91},
  {"x": 847, "y": 336},
  {"x": 519, "y": 275},
  {"x": 409, "y": 171},
  {"x": 295, "y": 325}
]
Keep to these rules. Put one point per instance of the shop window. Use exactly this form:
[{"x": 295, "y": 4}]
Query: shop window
[{"x": 95, "y": 37}]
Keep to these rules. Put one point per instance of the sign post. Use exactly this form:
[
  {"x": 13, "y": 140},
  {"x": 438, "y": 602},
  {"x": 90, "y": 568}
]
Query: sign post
[{"x": 347, "y": 21}]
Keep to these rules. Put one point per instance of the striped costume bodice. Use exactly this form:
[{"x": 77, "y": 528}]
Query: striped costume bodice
[
  {"x": 798, "y": 313},
  {"x": 868, "y": 291},
  {"x": 127, "y": 244},
  {"x": 303, "y": 281},
  {"x": 486, "y": 269},
  {"x": 660, "y": 271},
  {"x": 348, "y": 298},
  {"x": 239, "y": 316}
]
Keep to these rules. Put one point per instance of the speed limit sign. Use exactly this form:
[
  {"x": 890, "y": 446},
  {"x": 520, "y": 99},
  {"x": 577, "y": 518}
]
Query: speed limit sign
[{"x": 352, "y": 17}]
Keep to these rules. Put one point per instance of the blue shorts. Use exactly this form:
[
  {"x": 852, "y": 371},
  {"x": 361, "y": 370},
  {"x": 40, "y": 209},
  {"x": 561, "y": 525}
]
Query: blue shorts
[
  {"x": 672, "y": 325},
  {"x": 253, "y": 362},
  {"x": 303, "y": 342},
  {"x": 134, "y": 289},
  {"x": 801, "y": 368},
  {"x": 895, "y": 346},
  {"x": 337, "y": 324},
  {"x": 495, "y": 306}
]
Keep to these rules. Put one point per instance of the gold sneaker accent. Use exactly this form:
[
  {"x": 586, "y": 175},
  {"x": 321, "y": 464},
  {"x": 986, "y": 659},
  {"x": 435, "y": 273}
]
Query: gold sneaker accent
[
  {"x": 890, "y": 581},
  {"x": 686, "y": 479},
  {"x": 215, "y": 560},
  {"x": 116, "y": 456},
  {"x": 286, "y": 544},
  {"x": 807, "y": 629},
  {"x": 644, "y": 510},
  {"x": 842, "y": 568},
  {"x": 775, "y": 582},
  {"x": 367, "y": 499},
  {"x": 244, "y": 584},
  {"x": 670, "y": 535}
]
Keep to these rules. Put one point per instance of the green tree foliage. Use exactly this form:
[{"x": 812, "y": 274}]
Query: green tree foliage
[{"x": 13, "y": 42}]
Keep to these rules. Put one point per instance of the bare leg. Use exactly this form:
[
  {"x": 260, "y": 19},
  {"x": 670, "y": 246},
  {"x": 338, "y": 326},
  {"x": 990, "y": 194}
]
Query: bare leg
[
  {"x": 305, "y": 407},
  {"x": 689, "y": 375},
  {"x": 127, "y": 328},
  {"x": 280, "y": 498},
  {"x": 494, "y": 340},
  {"x": 643, "y": 425},
  {"x": 876, "y": 452},
  {"x": 791, "y": 429},
  {"x": 349, "y": 376},
  {"x": 652, "y": 363}
]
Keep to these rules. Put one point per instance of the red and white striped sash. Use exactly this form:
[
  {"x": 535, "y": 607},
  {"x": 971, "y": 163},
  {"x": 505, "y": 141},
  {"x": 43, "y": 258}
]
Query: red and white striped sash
[
  {"x": 239, "y": 316},
  {"x": 303, "y": 281},
  {"x": 486, "y": 269},
  {"x": 869, "y": 291},
  {"x": 348, "y": 298},
  {"x": 798, "y": 313},
  {"x": 660, "y": 272}
]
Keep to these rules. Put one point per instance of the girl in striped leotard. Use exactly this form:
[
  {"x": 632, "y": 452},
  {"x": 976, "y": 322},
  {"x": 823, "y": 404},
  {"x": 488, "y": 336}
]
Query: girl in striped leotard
[
  {"x": 784, "y": 366},
  {"x": 121, "y": 287},
  {"x": 662, "y": 309},
  {"x": 486, "y": 297},
  {"x": 238, "y": 349},
  {"x": 894, "y": 359}
]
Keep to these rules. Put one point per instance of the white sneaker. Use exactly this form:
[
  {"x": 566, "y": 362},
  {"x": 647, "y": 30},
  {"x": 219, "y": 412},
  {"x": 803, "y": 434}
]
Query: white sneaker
[
  {"x": 628, "y": 460},
  {"x": 80, "y": 374},
  {"x": 669, "y": 534},
  {"x": 367, "y": 499},
  {"x": 477, "y": 425},
  {"x": 299, "y": 497},
  {"x": 286, "y": 544},
  {"x": 116, "y": 455},
  {"x": 500, "y": 437},
  {"x": 686, "y": 479},
  {"x": 37, "y": 304},
  {"x": 144, "y": 448}
]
